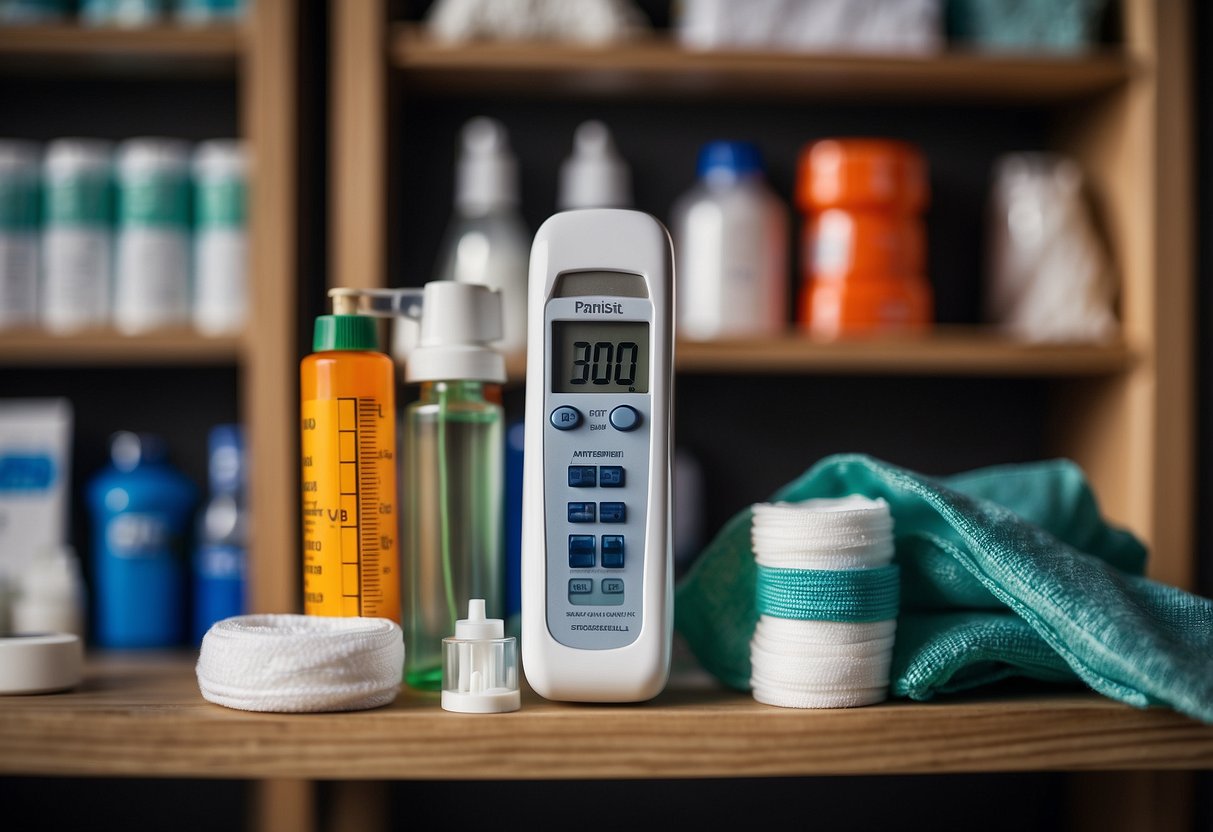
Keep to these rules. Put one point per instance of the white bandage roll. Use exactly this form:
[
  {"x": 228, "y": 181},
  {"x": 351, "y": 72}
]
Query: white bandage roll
[{"x": 301, "y": 663}]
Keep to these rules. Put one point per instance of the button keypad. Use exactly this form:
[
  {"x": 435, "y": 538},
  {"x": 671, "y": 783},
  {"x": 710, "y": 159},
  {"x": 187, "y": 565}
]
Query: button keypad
[{"x": 584, "y": 548}]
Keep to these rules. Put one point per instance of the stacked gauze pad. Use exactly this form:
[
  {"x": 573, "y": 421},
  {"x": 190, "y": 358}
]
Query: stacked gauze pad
[{"x": 827, "y": 602}]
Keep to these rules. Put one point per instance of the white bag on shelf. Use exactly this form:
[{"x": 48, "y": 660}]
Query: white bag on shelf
[
  {"x": 894, "y": 26},
  {"x": 1050, "y": 277}
]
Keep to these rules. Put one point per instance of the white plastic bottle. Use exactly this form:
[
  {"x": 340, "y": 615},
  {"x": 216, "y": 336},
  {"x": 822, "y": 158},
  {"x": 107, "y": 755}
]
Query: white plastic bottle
[
  {"x": 487, "y": 241},
  {"x": 77, "y": 256},
  {"x": 220, "y": 170},
  {"x": 152, "y": 262},
  {"x": 731, "y": 239},
  {"x": 595, "y": 175},
  {"x": 19, "y": 177}
]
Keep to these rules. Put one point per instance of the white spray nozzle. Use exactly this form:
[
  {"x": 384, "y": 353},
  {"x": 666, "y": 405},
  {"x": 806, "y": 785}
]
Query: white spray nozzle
[{"x": 476, "y": 625}]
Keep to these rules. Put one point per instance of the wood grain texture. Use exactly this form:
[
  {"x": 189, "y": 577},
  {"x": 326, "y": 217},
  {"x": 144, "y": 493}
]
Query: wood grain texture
[
  {"x": 358, "y": 165},
  {"x": 177, "y": 347},
  {"x": 270, "y": 380},
  {"x": 144, "y": 716},
  {"x": 658, "y": 65},
  {"x": 152, "y": 50}
]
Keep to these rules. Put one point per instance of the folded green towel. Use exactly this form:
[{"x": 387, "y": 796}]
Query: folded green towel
[{"x": 1028, "y": 538}]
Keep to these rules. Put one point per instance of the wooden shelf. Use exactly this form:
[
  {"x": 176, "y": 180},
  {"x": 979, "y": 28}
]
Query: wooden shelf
[
  {"x": 106, "y": 348},
  {"x": 658, "y": 65},
  {"x": 144, "y": 716},
  {"x": 954, "y": 351},
  {"x": 154, "y": 49}
]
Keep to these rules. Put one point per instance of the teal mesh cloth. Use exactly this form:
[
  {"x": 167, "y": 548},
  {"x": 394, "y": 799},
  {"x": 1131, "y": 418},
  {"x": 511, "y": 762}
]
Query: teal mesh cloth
[{"x": 1005, "y": 571}]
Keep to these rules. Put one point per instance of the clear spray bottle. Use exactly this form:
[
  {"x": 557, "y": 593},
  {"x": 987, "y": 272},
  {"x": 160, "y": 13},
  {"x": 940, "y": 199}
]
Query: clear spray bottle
[{"x": 452, "y": 472}]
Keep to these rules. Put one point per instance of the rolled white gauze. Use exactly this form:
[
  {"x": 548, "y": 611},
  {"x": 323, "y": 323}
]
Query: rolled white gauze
[{"x": 301, "y": 663}]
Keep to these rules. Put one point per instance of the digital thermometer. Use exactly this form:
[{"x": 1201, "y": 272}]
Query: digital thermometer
[{"x": 597, "y": 564}]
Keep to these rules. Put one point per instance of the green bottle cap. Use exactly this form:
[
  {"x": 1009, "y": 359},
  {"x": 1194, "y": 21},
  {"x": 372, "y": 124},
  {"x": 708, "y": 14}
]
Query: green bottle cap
[{"x": 345, "y": 332}]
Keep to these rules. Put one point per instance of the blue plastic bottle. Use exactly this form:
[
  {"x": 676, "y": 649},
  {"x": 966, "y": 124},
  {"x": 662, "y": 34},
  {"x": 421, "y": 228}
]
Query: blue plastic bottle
[
  {"x": 142, "y": 509},
  {"x": 221, "y": 555}
]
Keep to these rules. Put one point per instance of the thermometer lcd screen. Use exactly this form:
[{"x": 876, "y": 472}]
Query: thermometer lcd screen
[{"x": 600, "y": 357}]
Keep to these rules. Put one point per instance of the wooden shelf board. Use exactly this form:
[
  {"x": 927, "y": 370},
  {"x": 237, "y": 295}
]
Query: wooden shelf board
[
  {"x": 657, "y": 65},
  {"x": 153, "y": 49},
  {"x": 143, "y": 716},
  {"x": 108, "y": 348},
  {"x": 960, "y": 351}
]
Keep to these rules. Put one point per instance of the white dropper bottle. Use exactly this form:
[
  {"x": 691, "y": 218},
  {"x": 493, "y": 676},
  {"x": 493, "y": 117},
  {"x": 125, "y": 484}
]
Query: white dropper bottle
[
  {"x": 595, "y": 175},
  {"x": 487, "y": 241}
]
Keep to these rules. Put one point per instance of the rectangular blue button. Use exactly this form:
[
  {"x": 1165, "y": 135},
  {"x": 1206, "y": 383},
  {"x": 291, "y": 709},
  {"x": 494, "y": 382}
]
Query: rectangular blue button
[
  {"x": 581, "y": 586},
  {"x": 612, "y": 551},
  {"x": 611, "y": 476},
  {"x": 582, "y": 476},
  {"x": 612, "y": 512},
  {"x": 581, "y": 512},
  {"x": 582, "y": 549},
  {"x": 612, "y": 586}
]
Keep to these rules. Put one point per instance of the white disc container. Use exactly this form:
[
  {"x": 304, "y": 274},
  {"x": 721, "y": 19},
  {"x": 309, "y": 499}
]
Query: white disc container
[
  {"x": 77, "y": 254},
  {"x": 152, "y": 286}
]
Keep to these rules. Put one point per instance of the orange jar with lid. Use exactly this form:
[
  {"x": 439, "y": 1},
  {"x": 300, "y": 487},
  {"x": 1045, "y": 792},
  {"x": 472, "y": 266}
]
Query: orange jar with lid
[{"x": 863, "y": 240}]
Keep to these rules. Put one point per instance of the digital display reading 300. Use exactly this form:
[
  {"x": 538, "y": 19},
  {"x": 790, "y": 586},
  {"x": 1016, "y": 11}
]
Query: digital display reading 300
[{"x": 600, "y": 357}]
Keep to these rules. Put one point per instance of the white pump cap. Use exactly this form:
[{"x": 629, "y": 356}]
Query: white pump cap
[
  {"x": 595, "y": 176},
  {"x": 480, "y": 665},
  {"x": 486, "y": 176},
  {"x": 459, "y": 322}
]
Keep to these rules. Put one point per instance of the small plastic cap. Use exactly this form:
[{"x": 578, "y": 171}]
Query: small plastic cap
[
  {"x": 129, "y": 450},
  {"x": 220, "y": 159},
  {"x": 486, "y": 175},
  {"x": 69, "y": 155},
  {"x": 476, "y": 625},
  {"x": 344, "y": 332},
  {"x": 459, "y": 322},
  {"x": 595, "y": 176},
  {"x": 724, "y": 159},
  {"x": 153, "y": 153}
]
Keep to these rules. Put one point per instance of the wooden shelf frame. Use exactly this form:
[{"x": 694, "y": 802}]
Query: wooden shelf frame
[
  {"x": 659, "y": 65},
  {"x": 169, "y": 730},
  {"x": 102, "y": 348},
  {"x": 173, "y": 48}
]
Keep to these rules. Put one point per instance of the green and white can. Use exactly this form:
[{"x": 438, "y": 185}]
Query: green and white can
[
  {"x": 77, "y": 255},
  {"x": 220, "y": 169},
  {"x": 152, "y": 286}
]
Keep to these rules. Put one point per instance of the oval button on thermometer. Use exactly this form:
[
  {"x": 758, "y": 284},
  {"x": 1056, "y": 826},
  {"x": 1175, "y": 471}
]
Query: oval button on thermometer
[
  {"x": 597, "y": 565},
  {"x": 625, "y": 418},
  {"x": 565, "y": 418}
]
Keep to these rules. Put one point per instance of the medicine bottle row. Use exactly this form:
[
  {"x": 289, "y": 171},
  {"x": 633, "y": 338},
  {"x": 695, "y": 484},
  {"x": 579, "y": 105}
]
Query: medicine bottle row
[
  {"x": 144, "y": 235},
  {"x": 124, "y": 13}
]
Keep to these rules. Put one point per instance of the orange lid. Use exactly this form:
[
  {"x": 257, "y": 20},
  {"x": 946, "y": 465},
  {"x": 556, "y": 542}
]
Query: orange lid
[{"x": 858, "y": 173}]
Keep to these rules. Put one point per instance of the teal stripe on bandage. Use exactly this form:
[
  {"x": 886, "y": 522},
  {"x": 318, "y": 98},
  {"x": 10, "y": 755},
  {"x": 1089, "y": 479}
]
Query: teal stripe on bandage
[{"x": 855, "y": 595}]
